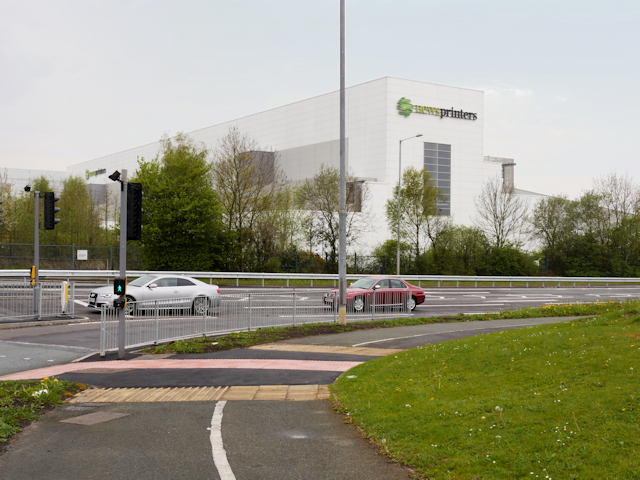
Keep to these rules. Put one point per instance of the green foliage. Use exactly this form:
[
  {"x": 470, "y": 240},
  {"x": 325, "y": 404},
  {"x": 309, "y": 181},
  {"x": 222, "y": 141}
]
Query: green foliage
[
  {"x": 553, "y": 401},
  {"x": 320, "y": 196},
  {"x": 79, "y": 215},
  {"x": 386, "y": 256},
  {"x": 181, "y": 211},
  {"x": 256, "y": 204},
  {"x": 508, "y": 261},
  {"x": 22, "y": 401},
  {"x": 418, "y": 209}
]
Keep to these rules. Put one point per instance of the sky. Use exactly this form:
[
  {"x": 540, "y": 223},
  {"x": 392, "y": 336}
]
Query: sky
[{"x": 87, "y": 78}]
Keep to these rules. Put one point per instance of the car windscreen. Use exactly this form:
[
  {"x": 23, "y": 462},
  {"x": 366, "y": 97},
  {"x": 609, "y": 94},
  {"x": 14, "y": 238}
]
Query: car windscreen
[
  {"x": 140, "y": 281},
  {"x": 363, "y": 283}
]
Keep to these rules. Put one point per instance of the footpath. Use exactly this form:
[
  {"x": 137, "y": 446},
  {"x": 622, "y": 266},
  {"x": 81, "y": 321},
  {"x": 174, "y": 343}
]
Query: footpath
[{"x": 255, "y": 413}]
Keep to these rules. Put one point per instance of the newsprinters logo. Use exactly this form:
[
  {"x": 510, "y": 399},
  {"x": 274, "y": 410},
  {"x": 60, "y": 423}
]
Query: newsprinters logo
[{"x": 405, "y": 107}]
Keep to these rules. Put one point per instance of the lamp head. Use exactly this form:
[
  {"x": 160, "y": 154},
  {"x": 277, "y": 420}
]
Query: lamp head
[{"x": 115, "y": 176}]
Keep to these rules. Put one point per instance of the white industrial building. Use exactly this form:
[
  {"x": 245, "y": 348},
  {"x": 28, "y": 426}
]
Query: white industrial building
[{"x": 379, "y": 113}]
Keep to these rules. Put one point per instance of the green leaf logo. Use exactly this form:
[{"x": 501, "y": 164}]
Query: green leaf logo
[{"x": 405, "y": 107}]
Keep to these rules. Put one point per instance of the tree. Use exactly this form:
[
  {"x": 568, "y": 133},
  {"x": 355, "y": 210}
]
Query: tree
[
  {"x": 501, "y": 214},
  {"x": 618, "y": 197},
  {"x": 418, "y": 209},
  {"x": 321, "y": 197},
  {"x": 181, "y": 212},
  {"x": 22, "y": 212},
  {"x": 79, "y": 215},
  {"x": 470, "y": 247},
  {"x": 248, "y": 181},
  {"x": 554, "y": 224}
]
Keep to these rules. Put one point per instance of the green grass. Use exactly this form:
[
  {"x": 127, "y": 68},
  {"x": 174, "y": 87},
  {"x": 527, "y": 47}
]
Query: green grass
[
  {"x": 555, "y": 401},
  {"x": 23, "y": 401}
]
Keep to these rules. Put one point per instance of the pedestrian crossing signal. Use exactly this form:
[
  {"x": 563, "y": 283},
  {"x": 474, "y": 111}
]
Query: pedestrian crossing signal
[{"x": 120, "y": 286}]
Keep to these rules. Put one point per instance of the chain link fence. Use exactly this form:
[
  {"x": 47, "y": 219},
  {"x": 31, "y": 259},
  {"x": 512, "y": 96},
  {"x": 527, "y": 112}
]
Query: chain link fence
[{"x": 69, "y": 257}]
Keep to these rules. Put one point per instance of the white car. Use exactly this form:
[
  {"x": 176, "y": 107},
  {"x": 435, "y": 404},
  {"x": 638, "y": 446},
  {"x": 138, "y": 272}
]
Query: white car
[{"x": 161, "y": 291}]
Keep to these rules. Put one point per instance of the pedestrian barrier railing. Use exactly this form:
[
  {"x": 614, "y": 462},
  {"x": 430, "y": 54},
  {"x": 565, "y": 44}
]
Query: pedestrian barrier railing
[
  {"x": 20, "y": 300},
  {"x": 153, "y": 322},
  {"x": 432, "y": 280}
]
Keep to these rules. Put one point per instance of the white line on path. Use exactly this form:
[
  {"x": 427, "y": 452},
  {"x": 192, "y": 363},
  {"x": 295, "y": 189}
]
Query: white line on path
[
  {"x": 47, "y": 345},
  {"x": 80, "y": 302},
  {"x": 439, "y": 333},
  {"x": 219, "y": 455}
]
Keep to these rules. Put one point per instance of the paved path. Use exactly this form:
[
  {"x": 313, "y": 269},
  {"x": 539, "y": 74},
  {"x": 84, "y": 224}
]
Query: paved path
[{"x": 247, "y": 414}]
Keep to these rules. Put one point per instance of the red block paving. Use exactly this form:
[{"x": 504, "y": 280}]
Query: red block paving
[{"x": 310, "y": 365}]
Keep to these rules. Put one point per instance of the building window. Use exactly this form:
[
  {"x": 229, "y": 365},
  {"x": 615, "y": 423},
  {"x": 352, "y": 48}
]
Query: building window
[
  {"x": 437, "y": 160},
  {"x": 354, "y": 196}
]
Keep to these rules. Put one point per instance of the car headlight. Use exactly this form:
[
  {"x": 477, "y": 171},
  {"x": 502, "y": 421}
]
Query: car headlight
[
  {"x": 330, "y": 295},
  {"x": 105, "y": 295}
]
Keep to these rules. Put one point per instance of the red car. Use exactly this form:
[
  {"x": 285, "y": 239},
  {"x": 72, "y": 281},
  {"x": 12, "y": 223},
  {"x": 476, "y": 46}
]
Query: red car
[{"x": 389, "y": 291}]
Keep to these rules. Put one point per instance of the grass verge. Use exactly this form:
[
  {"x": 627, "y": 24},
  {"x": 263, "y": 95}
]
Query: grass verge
[
  {"x": 555, "y": 401},
  {"x": 23, "y": 401},
  {"x": 276, "y": 334}
]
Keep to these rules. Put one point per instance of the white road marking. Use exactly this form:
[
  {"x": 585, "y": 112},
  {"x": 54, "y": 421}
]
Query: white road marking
[
  {"x": 219, "y": 455},
  {"x": 438, "y": 333},
  {"x": 46, "y": 345},
  {"x": 80, "y": 302},
  {"x": 488, "y": 304}
]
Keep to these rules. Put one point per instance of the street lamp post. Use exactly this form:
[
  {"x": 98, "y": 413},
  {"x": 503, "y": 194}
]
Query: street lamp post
[{"x": 399, "y": 198}]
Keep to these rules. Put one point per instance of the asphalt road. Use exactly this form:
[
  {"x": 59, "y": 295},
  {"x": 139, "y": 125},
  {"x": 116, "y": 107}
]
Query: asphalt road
[
  {"x": 35, "y": 347},
  {"x": 445, "y": 300},
  {"x": 254, "y": 439}
]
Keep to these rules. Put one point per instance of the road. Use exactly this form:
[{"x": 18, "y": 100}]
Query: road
[{"x": 35, "y": 347}]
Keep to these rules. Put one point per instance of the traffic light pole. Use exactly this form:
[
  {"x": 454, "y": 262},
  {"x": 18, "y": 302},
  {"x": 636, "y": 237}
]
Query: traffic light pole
[
  {"x": 123, "y": 258},
  {"x": 36, "y": 255}
]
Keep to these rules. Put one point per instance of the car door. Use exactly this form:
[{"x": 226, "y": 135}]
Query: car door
[
  {"x": 187, "y": 290},
  {"x": 165, "y": 292},
  {"x": 381, "y": 290},
  {"x": 398, "y": 292}
]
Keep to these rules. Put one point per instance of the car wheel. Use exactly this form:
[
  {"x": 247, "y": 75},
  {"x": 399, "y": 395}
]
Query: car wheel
[
  {"x": 130, "y": 308},
  {"x": 411, "y": 303},
  {"x": 358, "y": 304},
  {"x": 200, "y": 306}
]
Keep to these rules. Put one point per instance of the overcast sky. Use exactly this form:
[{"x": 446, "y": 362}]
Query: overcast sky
[{"x": 87, "y": 78}]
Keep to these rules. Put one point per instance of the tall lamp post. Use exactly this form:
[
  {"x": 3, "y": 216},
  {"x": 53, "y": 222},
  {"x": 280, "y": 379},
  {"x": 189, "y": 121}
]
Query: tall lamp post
[{"x": 399, "y": 197}]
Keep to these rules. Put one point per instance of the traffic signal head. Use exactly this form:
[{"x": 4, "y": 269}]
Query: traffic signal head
[
  {"x": 120, "y": 286},
  {"x": 134, "y": 211},
  {"x": 50, "y": 210}
]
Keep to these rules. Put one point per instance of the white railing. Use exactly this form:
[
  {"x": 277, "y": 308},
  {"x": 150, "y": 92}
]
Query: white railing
[
  {"x": 108, "y": 275},
  {"x": 19, "y": 300},
  {"x": 162, "y": 321}
]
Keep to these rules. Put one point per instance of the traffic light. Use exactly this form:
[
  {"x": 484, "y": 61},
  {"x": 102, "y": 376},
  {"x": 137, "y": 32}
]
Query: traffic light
[
  {"x": 134, "y": 211},
  {"x": 50, "y": 210},
  {"x": 120, "y": 286}
]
